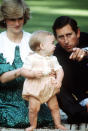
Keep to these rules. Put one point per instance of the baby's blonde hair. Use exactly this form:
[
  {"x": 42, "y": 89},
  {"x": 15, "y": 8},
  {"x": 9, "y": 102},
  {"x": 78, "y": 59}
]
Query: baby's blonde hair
[{"x": 37, "y": 38}]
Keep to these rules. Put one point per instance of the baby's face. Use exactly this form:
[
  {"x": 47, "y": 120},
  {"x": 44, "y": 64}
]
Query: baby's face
[{"x": 49, "y": 45}]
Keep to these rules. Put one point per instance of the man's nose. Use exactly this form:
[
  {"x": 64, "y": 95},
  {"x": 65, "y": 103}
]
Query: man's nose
[{"x": 66, "y": 39}]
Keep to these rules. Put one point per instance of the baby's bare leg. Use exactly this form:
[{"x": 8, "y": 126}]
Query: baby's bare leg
[
  {"x": 53, "y": 106},
  {"x": 33, "y": 111}
]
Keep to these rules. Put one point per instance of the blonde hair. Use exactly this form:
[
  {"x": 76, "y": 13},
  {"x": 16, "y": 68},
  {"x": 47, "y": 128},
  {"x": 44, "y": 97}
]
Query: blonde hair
[
  {"x": 12, "y": 9},
  {"x": 37, "y": 38}
]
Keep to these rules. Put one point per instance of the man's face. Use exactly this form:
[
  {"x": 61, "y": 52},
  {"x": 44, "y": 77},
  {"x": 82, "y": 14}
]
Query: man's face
[{"x": 67, "y": 38}]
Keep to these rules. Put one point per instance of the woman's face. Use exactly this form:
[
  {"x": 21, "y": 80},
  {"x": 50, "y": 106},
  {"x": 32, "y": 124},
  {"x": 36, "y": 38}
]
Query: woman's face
[{"x": 15, "y": 25}]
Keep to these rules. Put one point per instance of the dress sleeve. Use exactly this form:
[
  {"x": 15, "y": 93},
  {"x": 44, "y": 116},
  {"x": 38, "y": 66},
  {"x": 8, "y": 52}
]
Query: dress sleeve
[
  {"x": 4, "y": 66},
  {"x": 57, "y": 66}
]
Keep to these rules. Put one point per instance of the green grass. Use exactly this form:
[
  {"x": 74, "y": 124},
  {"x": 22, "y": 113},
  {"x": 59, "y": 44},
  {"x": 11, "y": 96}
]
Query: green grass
[{"x": 44, "y": 12}]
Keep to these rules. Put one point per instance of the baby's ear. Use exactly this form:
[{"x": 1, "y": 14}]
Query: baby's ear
[
  {"x": 41, "y": 46},
  {"x": 38, "y": 48}
]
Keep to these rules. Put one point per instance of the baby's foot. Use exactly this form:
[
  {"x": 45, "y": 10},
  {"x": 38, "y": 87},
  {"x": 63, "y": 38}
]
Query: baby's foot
[
  {"x": 61, "y": 127},
  {"x": 31, "y": 128}
]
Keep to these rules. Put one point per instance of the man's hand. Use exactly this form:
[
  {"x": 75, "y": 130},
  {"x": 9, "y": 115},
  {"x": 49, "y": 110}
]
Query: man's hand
[{"x": 77, "y": 54}]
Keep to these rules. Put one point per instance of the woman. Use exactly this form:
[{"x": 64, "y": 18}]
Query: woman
[{"x": 13, "y": 50}]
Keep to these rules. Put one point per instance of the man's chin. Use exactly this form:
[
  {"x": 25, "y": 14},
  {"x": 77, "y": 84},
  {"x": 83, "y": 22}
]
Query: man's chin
[{"x": 68, "y": 50}]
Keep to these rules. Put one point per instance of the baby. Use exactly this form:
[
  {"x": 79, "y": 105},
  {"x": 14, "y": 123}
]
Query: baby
[{"x": 44, "y": 77}]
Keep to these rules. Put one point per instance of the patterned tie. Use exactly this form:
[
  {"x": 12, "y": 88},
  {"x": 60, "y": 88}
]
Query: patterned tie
[{"x": 17, "y": 63}]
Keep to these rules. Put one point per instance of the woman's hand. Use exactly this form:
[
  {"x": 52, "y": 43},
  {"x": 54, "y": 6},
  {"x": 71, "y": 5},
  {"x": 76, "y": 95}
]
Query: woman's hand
[
  {"x": 58, "y": 84},
  {"x": 52, "y": 73},
  {"x": 38, "y": 74},
  {"x": 55, "y": 82}
]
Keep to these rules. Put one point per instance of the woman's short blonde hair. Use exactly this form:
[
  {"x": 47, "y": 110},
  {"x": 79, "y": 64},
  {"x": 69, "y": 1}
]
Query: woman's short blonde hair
[
  {"x": 37, "y": 38},
  {"x": 12, "y": 9}
]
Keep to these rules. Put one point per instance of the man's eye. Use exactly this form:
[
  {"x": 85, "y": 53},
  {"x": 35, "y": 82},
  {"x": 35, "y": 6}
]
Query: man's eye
[
  {"x": 60, "y": 37},
  {"x": 68, "y": 35}
]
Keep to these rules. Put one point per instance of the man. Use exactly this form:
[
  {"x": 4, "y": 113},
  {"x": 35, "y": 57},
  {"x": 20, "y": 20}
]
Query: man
[{"x": 72, "y": 55}]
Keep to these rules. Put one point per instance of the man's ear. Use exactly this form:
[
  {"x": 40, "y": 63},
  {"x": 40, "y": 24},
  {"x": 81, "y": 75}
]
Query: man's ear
[{"x": 78, "y": 33}]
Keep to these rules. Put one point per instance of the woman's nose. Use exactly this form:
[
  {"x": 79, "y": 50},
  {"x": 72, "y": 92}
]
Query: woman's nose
[{"x": 17, "y": 22}]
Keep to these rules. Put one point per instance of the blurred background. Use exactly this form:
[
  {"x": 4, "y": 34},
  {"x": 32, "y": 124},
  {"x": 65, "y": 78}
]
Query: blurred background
[{"x": 44, "y": 13}]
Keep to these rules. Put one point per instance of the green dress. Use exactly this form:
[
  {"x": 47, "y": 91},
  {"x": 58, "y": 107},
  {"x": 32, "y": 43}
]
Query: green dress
[{"x": 13, "y": 109}]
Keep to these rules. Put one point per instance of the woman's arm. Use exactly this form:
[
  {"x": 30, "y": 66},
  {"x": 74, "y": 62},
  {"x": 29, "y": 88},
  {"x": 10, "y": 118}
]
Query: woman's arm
[
  {"x": 10, "y": 75},
  {"x": 31, "y": 74}
]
